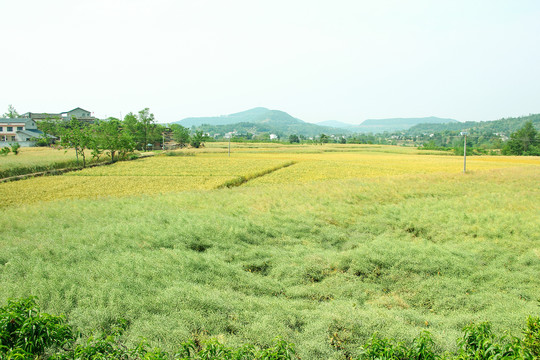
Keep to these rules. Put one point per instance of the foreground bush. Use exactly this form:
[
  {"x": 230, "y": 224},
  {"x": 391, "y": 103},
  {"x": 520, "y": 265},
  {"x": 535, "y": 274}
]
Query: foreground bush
[
  {"x": 478, "y": 343},
  {"x": 26, "y": 333}
]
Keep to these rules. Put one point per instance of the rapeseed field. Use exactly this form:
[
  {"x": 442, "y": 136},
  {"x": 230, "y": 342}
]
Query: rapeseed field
[{"x": 325, "y": 252}]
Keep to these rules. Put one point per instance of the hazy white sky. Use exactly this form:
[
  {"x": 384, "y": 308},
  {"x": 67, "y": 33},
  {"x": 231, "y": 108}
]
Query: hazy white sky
[{"x": 318, "y": 60}]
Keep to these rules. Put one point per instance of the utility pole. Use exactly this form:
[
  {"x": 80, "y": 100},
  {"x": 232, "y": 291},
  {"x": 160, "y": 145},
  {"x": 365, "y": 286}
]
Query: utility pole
[
  {"x": 163, "y": 143},
  {"x": 230, "y": 136},
  {"x": 464, "y": 133}
]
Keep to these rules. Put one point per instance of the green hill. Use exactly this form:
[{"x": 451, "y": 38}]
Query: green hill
[
  {"x": 256, "y": 115},
  {"x": 504, "y": 126},
  {"x": 396, "y": 124},
  {"x": 258, "y": 120}
]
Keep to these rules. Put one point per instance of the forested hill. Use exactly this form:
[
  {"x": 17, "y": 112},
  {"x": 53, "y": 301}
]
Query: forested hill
[
  {"x": 503, "y": 126},
  {"x": 389, "y": 125},
  {"x": 395, "y": 124},
  {"x": 259, "y": 120},
  {"x": 256, "y": 116}
]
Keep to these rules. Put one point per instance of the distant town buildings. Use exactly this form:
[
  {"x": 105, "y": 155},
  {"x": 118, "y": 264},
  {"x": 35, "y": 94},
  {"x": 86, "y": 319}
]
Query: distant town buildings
[
  {"x": 23, "y": 130},
  {"x": 79, "y": 113}
]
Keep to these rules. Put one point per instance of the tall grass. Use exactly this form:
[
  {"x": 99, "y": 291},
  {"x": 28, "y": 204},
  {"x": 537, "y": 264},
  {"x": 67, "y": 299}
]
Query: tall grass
[{"x": 315, "y": 263}]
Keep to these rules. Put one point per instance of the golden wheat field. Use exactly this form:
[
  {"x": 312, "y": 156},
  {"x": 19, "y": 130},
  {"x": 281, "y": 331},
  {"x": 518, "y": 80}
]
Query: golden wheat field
[
  {"x": 156, "y": 175},
  {"x": 35, "y": 156},
  {"x": 211, "y": 168}
]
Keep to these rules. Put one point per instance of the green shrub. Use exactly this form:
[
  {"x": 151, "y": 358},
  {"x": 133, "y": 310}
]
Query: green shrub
[
  {"x": 532, "y": 336},
  {"x": 23, "y": 329},
  {"x": 478, "y": 342},
  {"x": 15, "y": 148},
  {"x": 385, "y": 349}
]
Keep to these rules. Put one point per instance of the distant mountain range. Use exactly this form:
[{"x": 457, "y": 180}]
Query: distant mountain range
[
  {"x": 503, "y": 126},
  {"x": 260, "y": 119},
  {"x": 389, "y": 125}
]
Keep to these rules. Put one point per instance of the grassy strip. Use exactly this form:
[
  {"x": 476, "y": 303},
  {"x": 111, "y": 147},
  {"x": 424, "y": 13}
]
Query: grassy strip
[
  {"x": 26, "y": 170},
  {"x": 238, "y": 181},
  {"x": 53, "y": 169}
]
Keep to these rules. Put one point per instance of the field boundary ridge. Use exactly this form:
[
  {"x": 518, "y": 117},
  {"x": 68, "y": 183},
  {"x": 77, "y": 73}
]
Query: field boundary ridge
[
  {"x": 240, "y": 180},
  {"x": 53, "y": 172}
]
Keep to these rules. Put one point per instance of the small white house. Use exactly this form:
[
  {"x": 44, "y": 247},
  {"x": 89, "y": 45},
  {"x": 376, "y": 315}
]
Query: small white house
[
  {"x": 273, "y": 137},
  {"x": 21, "y": 130}
]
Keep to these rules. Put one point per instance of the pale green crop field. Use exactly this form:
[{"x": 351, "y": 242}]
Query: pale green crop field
[{"x": 346, "y": 242}]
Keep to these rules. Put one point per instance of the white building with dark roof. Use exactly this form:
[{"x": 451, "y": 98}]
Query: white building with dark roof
[
  {"x": 19, "y": 130},
  {"x": 79, "y": 113}
]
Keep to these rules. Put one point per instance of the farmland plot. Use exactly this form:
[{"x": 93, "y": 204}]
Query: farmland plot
[{"x": 324, "y": 252}]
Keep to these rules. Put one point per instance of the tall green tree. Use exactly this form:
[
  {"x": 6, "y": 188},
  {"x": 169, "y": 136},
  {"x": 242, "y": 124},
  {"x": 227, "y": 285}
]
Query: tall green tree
[
  {"x": 524, "y": 141},
  {"x": 293, "y": 138},
  {"x": 146, "y": 120},
  {"x": 113, "y": 138},
  {"x": 133, "y": 127},
  {"x": 11, "y": 113},
  {"x": 180, "y": 135},
  {"x": 79, "y": 136}
]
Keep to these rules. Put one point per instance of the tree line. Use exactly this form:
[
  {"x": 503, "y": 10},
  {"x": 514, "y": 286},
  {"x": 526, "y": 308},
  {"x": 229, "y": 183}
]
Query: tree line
[{"x": 115, "y": 137}]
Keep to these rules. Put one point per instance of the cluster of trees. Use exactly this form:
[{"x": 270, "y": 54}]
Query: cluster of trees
[
  {"x": 487, "y": 136},
  {"x": 525, "y": 141},
  {"x": 116, "y": 137}
]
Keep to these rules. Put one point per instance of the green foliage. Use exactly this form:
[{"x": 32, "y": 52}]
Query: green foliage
[
  {"x": 293, "y": 138},
  {"x": 146, "y": 120},
  {"x": 478, "y": 342},
  {"x": 25, "y": 330},
  {"x": 323, "y": 138},
  {"x": 525, "y": 141},
  {"x": 11, "y": 113},
  {"x": 26, "y": 333},
  {"x": 5, "y": 150},
  {"x": 78, "y": 136},
  {"x": 475, "y": 128},
  {"x": 180, "y": 135},
  {"x": 422, "y": 348},
  {"x": 142, "y": 129},
  {"x": 52, "y": 126},
  {"x": 532, "y": 335},
  {"x": 15, "y": 148},
  {"x": 112, "y": 138},
  {"x": 197, "y": 139},
  {"x": 431, "y": 145}
]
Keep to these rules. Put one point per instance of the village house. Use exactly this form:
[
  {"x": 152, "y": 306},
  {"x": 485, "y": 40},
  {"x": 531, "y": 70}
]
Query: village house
[
  {"x": 79, "y": 113},
  {"x": 21, "y": 130}
]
